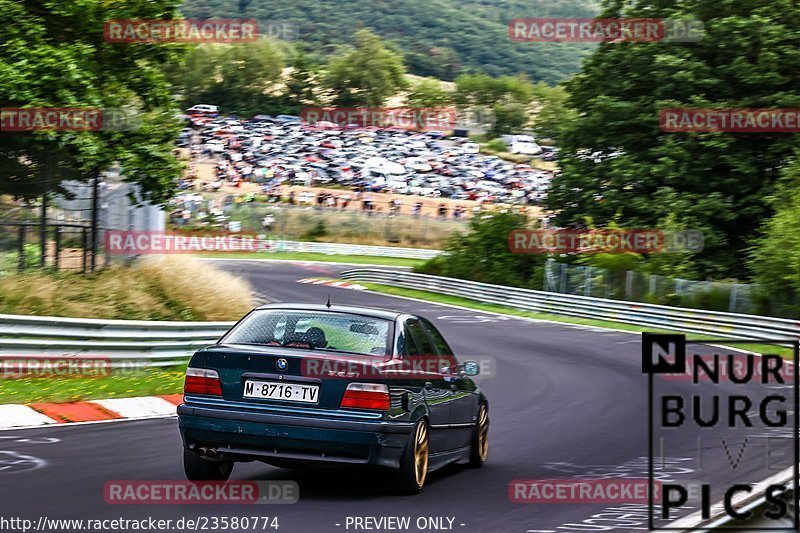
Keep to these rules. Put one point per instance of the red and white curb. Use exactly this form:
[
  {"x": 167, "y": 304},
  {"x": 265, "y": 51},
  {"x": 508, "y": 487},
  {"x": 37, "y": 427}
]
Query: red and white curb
[
  {"x": 333, "y": 283},
  {"x": 44, "y": 414}
]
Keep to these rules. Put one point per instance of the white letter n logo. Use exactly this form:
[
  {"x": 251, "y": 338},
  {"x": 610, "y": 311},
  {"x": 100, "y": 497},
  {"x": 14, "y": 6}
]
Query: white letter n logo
[{"x": 663, "y": 354}]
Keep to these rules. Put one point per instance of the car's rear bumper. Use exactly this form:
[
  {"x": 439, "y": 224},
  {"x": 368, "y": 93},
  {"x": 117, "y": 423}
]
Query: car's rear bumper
[{"x": 292, "y": 438}]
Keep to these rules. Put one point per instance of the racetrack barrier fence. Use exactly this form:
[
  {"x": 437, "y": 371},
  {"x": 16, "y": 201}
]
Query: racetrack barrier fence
[{"x": 641, "y": 314}]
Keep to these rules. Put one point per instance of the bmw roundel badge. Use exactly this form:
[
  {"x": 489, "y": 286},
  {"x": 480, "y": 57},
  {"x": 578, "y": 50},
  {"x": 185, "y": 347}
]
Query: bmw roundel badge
[{"x": 282, "y": 364}]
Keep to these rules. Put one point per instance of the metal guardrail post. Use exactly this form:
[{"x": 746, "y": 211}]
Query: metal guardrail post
[
  {"x": 629, "y": 285},
  {"x": 84, "y": 246},
  {"x": 587, "y": 273},
  {"x": 21, "y": 248},
  {"x": 58, "y": 247}
]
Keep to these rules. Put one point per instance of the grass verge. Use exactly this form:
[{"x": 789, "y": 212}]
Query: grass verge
[
  {"x": 326, "y": 258},
  {"x": 154, "y": 288},
  {"x": 482, "y": 306},
  {"x": 118, "y": 384}
]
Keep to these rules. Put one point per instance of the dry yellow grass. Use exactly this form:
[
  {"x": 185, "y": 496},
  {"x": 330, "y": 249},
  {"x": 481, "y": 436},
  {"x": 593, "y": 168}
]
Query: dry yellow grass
[
  {"x": 199, "y": 285},
  {"x": 169, "y": 288},
  {"x": 355, "y": 227}
]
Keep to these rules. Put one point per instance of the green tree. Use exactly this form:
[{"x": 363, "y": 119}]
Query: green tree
[
  {"x": 53, "y": 54},
  {"x": 438, "y": 62},
  {"x": 775, "y": 257},
  {"x": 241, "y": 78},
  {"x": 300, "y": 85},
  {"x": 365, "y": 75},
  {"x": 499, "y": 104},
  {"x": 437, "y": 38},
  {"x": 429, "y": 93},
  {"x": 508, "y": 118},
  {"x": 483, "y": 254},
  {"x": 716, "y": 182},
  {"x": 480, "y": 89},
  {"x": 553, "y": 116}
]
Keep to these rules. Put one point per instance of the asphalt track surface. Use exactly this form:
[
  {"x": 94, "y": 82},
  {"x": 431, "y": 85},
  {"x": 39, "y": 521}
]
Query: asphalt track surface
[{"x": 564, "y": 402}]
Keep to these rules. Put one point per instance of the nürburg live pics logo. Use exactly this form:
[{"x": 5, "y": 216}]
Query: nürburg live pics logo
[{"x": 731, "y": 414}]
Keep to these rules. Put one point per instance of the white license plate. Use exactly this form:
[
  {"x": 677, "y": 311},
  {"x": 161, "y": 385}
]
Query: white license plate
[{"x": 278, "y": 390}]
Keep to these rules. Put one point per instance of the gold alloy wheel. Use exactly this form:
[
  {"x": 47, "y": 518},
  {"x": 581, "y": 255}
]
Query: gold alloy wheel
[
  {"x": 421, "y": 454},
  {"x": 483, "y": 433}
]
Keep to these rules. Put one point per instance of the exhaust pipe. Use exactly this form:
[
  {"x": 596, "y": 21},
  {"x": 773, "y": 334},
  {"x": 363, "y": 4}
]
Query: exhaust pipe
[
  {"x": 212, "y": 452},
  {"x": 202, "y": 451}
]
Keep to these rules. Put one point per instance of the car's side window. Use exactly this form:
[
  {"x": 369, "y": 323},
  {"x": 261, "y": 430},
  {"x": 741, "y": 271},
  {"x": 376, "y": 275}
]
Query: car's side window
[
  {"x": 441, "y": 345},
  {"x": 422, "y": 344},
  {"x": 405, "y": 344}
]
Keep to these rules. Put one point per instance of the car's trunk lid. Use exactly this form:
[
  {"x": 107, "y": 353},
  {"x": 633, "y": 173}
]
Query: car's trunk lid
[{"x": 287, "y": 376}]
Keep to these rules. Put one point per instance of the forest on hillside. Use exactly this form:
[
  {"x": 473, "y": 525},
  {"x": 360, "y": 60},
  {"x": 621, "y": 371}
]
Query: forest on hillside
[{"x": 437, "y": 38}]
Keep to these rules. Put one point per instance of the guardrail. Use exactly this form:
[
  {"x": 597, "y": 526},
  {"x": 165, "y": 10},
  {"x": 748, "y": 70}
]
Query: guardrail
[
  {"x": 648, "y": 315},
  {"x": 641, "y": 314},
  {"x": 126, "y": 343},
  {"x": 353, "y": 249}
]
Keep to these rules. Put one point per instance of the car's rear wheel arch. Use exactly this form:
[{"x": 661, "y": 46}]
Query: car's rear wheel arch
[{"x": 420, "y": 412}]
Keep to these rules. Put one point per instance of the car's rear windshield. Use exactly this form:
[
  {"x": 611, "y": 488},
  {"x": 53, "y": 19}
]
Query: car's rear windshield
[{"x": 313, "y": 330}]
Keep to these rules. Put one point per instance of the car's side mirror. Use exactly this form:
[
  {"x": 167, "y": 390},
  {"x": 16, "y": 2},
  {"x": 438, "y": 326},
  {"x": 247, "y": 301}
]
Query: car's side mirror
[{"x": 471, "y": 368}]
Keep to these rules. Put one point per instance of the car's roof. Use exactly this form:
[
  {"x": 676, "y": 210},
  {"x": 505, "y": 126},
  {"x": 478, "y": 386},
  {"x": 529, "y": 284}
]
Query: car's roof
[{"x": 367, "y": 311}]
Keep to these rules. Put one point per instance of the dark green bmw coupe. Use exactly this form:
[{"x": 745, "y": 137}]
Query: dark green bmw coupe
[{"x": 314, "y": 384}]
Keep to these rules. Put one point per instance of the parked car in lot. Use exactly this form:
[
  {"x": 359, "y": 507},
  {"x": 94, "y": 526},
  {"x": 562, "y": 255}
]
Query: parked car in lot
[
  {"x": 525, "y": 148},
  {"x": 384, "y": 160},
  {"x": 417, "y": 163},
  {"x": 300, "y": 384},
  {"x": 215, "y": 145},
  {"x": 470, "y": 148},
  {"x": 203, "y": 110}
]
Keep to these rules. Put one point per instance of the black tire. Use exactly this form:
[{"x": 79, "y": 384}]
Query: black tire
[
  {"x": 410, "y": 478},
  {"x": 479, "y": 449},
  {"x": 198, "y": 469}
]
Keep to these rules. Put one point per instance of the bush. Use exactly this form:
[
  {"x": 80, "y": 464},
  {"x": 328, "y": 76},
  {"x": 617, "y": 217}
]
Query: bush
[
  {"x": 714, "y": 300},
  {"x": 483, "y": 254},
  {"x": 317, "y": 231},
  {"x": 496, "y": 145},
  {"x": 775, "y": 258}
]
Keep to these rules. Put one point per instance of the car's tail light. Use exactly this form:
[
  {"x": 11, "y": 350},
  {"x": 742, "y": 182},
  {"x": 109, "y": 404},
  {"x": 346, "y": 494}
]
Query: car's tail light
[
  {"x": 202, "y": 381},
  {"x": 366, "y": 396}
]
